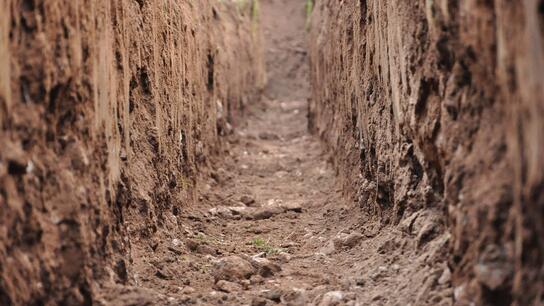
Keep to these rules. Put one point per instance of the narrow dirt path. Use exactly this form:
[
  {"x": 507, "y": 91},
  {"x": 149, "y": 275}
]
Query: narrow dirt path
[{"x": 272, "y": 228}]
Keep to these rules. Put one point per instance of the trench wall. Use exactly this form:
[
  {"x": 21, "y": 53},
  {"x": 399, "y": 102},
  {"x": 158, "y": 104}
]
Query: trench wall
[
  {"x": 109, "y": 111},
  {"x": 438, "y": 106}
]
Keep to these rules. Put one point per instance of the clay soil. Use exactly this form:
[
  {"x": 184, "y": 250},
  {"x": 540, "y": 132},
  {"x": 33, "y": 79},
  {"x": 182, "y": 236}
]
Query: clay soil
[{"x": 271, "y": 225}]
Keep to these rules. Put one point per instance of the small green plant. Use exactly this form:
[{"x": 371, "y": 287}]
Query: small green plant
[
  {"x": 201, "y": 237},
  {"x": 309, "y": 9},
  {"x": 258, "y": 242},
  {"x": 265, "y": 247}
]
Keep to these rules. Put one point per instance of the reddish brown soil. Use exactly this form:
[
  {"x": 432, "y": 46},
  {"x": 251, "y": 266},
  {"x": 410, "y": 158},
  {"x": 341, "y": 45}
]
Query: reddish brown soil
[
  {"x": 144, "y": 160},
  {"x": 108, "y": 111},
  {"x": 434, "y": 105}
]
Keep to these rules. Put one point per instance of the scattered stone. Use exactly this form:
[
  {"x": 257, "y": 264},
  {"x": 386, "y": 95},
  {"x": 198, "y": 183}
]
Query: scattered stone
[
  {"x": 493, "y": 268},
  {"x": 281, "y": 174},
  {"x": 188, "y": 290},
  {"x": 293, "y": 206},
  {"x": 259, "y": 301},
  {"x": 378, "y": 273},
  {"x": 459, "y": 292},
  {"x": 343, "y": 240},
  {"x": 294, "y": 297},
  {"x": 227, "y": 286},
  {"x": 221, "y": 211},
  {"x": 205, "y": 249},
  {"x": 239, "y": 210},
  {"x": 175, "y": 250},
  {"x": 446, "y": 277},
  {"x": 377, "y": 297},
  {"x": 162, "y": 275},
  {"x": 328, "y": 249},
  {"x": 247, "y": 200},
  {"x": 256, "y": 279},
  {"x": 265, "y": 267},
  {"x": 352, "y": 239},
  {"x": 284, "y": 257},
  {"x": 427, "y": 233},
  {"x": 491, "y": 276},
  {"x": 221, "y": 176},
  {"x": 266, "y": 212},
  {"x": 176, "y": 242},
  {"x": 359, "y": 281},
  {"x": 332, "y": 298},
  {"x": 273, "y": 295},
  {"x": 245, "y": 283},
  {"x": 268, "y": 136},
  {"x": 232, "y": 268}
]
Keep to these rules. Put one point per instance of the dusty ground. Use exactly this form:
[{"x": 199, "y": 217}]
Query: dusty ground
[{"x": 295, "y": 242}]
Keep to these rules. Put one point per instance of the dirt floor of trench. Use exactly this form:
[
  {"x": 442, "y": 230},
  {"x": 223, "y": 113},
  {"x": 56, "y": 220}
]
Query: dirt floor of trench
[{"x": 271, "y": 227}]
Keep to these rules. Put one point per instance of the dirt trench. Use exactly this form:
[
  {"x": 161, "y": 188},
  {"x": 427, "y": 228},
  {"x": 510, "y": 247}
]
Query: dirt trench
[{"x": 273, "y": 152}]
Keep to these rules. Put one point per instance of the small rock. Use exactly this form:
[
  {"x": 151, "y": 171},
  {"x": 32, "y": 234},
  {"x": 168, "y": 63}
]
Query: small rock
[
  {"x": 446, "y": 277},
  {"x": 332, "y": 298},
  {"x": 328, "y": 249},
  {"x": 492, "y": 276},
  {"x": 259, "y": 301},
  {"x": 294, "y": 297},
  {"x": 188, "y": 290},
  {"x": 162, "y": 275},
  {"x": 273, "y": 295},
  {"x": 256, "y": 279},
  {"x": 221, "y": 211},
  {"x": 239, "y": 210},
  {"x": 293, "y": 206},
  {"x": 427, "y": 233},
  {"x": 245, "y": 283},
  {"x": 227, "y": 286},
  {"x": 247, "y": 200},
  {"x": 232, "y": 268},
  {"x": 266, "y": 212},
  {"x": 359, "y": 281},
  {"x": 377, "y": 297},
  {"x": 191, "y": 244},
  {"x": 205, "y": 250},
  {"x": 176, "y": 242},
  {"x": 284, "y": 257},
  {"x": 459, "y": 292},
  {"x": 175, "y": 250},
  {"x": 265, "y": 267},
  {"x": 268, "y": 136},
  {"x": 378, "y": 273},
  {"x": 343, "y": 240}
]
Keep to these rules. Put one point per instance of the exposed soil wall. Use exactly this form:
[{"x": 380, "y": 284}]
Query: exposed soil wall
[
  {"x": 108, "y": 111},
  {"x": 437, "y": 106}
]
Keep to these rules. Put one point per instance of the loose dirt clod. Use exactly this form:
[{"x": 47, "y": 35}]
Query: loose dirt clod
[{"x": 233, "y": 268}]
